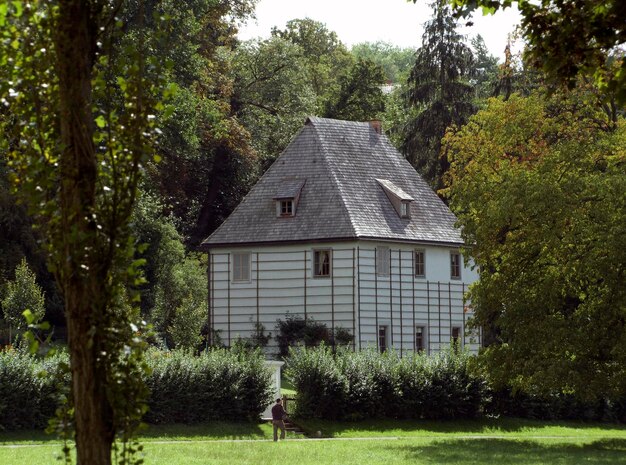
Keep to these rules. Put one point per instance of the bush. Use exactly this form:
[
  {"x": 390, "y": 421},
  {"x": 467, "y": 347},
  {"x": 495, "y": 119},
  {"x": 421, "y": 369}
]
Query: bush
[
  {"x": 29, "y": 389},
  {"x": 321, "y": 386},
  {"x": 296, "y": 331},
  {"x": 216, "y": 385},
  {"x": 358, "y": 385}
]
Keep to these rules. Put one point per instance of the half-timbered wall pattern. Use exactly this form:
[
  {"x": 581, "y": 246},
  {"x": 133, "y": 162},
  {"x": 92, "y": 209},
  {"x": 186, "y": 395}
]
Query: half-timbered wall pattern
[{"x": 354, "y": 296}]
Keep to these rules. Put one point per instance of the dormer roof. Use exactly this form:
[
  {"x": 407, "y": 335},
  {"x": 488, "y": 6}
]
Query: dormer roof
[{"x": 349, "y": 168}]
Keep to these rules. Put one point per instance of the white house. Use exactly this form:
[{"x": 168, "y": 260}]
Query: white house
[{"x": 342, "y": 229}]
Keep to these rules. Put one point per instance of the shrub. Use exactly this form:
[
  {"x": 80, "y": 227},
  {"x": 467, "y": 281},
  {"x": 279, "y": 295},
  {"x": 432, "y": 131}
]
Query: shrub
[
  {"x": 216, "y": 385},
  {"x": 308, "y": 332},
  {"x": 321, "y": 387},
  {"x": 29, "y": 393},
  {"x": 359, "y": 385}
]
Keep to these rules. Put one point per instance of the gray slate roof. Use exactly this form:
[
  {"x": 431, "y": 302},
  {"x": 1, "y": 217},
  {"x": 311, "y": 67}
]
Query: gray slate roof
[{"x": 339, "y": 162}]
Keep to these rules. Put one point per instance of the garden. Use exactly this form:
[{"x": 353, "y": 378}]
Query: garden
[{"x": 355, "y": 407}]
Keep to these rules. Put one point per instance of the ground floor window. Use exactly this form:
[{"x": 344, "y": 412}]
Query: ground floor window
[
  {"x": 420, "y": 338},
  {"x": 382, "y": 338},
  {"x": 456, "y": 337}
]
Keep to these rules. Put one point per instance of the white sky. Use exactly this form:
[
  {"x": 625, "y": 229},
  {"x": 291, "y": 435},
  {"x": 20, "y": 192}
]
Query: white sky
[{"x": 395, "y": 21}]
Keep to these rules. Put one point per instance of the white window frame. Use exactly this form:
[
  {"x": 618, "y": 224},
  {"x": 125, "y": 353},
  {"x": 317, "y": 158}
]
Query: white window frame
[
  {"x": 455, "y": 263},
  {"x": 383, "y": 261},
  {"x": 315, "y": 263},
  {"x": 423, "y": 253},
  {"x": 241, "y": 274}
]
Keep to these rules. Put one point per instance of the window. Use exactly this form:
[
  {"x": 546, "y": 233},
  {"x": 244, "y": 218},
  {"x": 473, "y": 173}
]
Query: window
[
  {"x": 382, "y": 338},
  {"x": 455, "y": 265},
  {"x": 383, "y": 261},
  {"x": 321, "y": 263},
  {"x": 420, "y": 264},
  {"x": 286, "y": 208},
  {"x": 420, "y": 338},
  {"x": 241, "y": 266},
  {"x": 405, "y": 210},
  {"x": 456, "y": 337}
]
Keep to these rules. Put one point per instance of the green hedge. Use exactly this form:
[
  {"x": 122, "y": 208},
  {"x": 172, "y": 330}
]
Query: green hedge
[
  {"x": 29, "y": 389},
  {"x": 230, "y": 385},
  {"x": 357, "y": 385},
  {"x": 220, "y": 384}
]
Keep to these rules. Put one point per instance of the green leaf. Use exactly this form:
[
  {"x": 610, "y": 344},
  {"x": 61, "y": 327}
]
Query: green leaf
[{"x": 100, "y": 121}]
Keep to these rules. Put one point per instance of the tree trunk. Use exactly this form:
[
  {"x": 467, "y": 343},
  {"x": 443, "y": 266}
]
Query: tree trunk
[{"x": 78, "y": 274}]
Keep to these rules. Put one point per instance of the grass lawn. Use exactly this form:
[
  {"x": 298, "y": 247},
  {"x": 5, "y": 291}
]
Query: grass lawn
[{"x": 493, "y": 442}]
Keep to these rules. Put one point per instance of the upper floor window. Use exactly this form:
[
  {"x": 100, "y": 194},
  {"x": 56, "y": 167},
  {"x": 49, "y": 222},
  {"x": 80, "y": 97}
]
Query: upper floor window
[
  {"x": 287, "y": 196},
  {"x": 241, "y": 266},
  {"x": 455, "y": 265},
  {"x": 420, "y": 264},
  {"x": 383, "y": 261},
  {"x": 405, "y": 209},
  {"x": 321, "y": 263},
  {"x": 400, "y": 200}
]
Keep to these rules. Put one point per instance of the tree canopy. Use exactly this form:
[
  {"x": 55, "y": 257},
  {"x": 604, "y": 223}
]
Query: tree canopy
[
  {"x": 570, "y": 38},
  {"x": 538, "y": 187},
  {"x": 439, "y": 88}
]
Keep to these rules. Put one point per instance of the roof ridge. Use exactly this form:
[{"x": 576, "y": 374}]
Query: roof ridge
[{"x": 333, "y": 173}]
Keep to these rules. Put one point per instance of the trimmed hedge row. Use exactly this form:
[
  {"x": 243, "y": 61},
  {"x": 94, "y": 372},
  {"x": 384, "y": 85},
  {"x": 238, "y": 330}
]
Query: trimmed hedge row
[
  {"x": 357, "y": 385},
  {"x": 354, "y": 386},
  {"x": 29, "y": 389},
  {"x": 217, "y": 385},
  {"x": 230, "y": 385}
]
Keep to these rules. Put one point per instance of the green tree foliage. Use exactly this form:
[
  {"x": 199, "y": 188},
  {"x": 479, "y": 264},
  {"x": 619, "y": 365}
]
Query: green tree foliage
[
  {"x": 78, "y": 165},
  {"x": 208, "y": 163},
  {"x": 439, "y": 88},
  {"x": 569, "y": 38},
  {"x": 538, "y": 187},
  {"x": 359, "y": 97},
  {"x": 395, "y": 61},
  {"x": 327, "y": 58},
  {"x": 273, "y": 93},
  {"x": 21, "y": 294},
  {"x": 486, "y": 74},
  {"x": 174, "y": 296}
]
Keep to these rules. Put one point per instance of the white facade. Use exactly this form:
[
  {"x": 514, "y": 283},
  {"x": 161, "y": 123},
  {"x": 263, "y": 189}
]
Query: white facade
[{"x": 266, "y": 283}]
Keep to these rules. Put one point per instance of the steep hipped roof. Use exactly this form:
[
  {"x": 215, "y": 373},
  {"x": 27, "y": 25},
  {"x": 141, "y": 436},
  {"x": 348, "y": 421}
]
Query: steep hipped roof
[{"x": 339, "y": 163}]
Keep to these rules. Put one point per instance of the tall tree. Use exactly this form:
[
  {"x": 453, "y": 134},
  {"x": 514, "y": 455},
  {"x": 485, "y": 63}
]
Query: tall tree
[
  {"x": 486, "y": 74},
  {"x": 439, "y": 88},
  {"x": 208, "y": 163},
  {"x": 538, "y": 187},
  {"x": 359, "y": 97},
  {"x": 273, "y": 93},
  {"x": 326, "y": 56},
  {"x": 22, "y": 294},
  {"x": 395, "y": 61},
  {"x": 78, "y": 165}
]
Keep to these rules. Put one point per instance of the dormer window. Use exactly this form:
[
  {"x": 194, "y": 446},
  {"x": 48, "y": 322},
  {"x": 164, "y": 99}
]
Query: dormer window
[
  {"x": 405, "y": 209},
  {"x": 286, "y": 207},
  {"x": 400, "y": 200},
  {"x": 287, "y": 197}
]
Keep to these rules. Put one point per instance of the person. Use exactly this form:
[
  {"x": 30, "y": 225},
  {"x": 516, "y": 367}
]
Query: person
[{"x": 278, "y": 417}]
